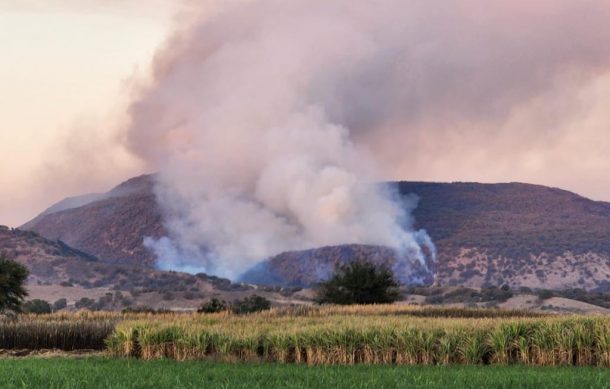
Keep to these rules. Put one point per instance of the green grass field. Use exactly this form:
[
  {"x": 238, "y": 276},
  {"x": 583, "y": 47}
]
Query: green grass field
[{"x": 129, "y": 373}]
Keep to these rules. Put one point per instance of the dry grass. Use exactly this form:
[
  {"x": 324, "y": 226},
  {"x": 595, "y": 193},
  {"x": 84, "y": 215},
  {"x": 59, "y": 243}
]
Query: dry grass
[{"x": 60, "y": 331}]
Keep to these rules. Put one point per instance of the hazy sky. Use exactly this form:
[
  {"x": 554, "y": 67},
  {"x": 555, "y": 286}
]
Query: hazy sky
[
  {"x": 504, "y": 95},
  {"x": 65, "y": 67}
]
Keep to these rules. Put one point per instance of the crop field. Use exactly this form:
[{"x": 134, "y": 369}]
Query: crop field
[
  {"x": 58, "y": 331},
  {"x": 373, "y": 335},
  {"x": 115, "y": 373}
]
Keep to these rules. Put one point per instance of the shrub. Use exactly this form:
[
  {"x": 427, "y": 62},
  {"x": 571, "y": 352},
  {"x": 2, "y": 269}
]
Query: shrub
[
  {"x": 37, "y": 306},
  {"x": 544, "y": 294},
  {"x": 251, "y": 304},
  {"x": 213, "y": 306},
  {"x": 359, "y": 282}
]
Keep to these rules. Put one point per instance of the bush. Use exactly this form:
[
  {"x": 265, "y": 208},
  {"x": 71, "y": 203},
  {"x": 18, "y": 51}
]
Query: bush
[
  {"x": 12, "y": 280},
  {"x": 251, "y": 304},
  {"x": 359, "y": 282},
  {"x": 213, "y": 306},
  {"x": 60, "y": 304},
  {"x": 37, "y": 306}
]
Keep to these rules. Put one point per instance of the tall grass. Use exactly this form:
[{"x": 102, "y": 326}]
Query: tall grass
[
  {"x": 385, "y": 334},
  {"x": 369, "y": 335},
  {"x": 64, "y": 332}
]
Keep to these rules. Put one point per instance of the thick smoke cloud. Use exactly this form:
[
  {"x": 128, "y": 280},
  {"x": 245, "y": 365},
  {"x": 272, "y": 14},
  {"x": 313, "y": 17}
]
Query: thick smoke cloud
[{"x": 270, "y": 120}]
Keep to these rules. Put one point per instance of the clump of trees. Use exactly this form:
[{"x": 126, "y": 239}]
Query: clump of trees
[
  {"x": 254, "y": 303},
  {"x": 249, "y": 304},
  {"x": 12, "y": 285},
  {"x": 359, "y": 282},
  {"x": 37, "y": 306},
  {"x": 60, "y": 304},
  {"x": 213, "y": 306}
]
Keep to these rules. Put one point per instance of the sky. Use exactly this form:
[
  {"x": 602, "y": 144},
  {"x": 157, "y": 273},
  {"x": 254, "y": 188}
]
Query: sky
[
  {"x": 65, "y": 70},
  {"x": 503, "y": 92}
]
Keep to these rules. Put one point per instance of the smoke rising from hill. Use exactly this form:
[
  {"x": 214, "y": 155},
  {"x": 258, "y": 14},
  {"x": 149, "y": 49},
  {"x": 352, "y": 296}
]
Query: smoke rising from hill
[{"x": 269, "y": 121}]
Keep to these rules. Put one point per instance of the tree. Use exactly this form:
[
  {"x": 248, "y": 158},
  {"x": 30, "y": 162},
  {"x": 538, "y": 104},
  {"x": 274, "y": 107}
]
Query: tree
[
  {"x": 12, "y": 280},
  {"x": 37, "y": 306},
  {"x": 359, "y": 282}
]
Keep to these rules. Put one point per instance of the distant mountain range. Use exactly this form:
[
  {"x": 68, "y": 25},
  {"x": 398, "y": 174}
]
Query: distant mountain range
[{"x": 486, "y": 234}]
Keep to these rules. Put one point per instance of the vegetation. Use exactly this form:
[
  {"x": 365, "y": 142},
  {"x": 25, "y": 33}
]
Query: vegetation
[
  {"x": 250, "y": 304},
  {"x": 330, "y": 335},
  {"x": 108, "y": 373},
  {"x": 213, "y": 306},
  {"x": 37, "y": 306},
  {"x": 359, "y": 282},
  {"x": 369, "y": 335},
  {"x": 60, "y": 304},
  {"x": 57, "y": 331},
  {"x": 12, "y": 280}
]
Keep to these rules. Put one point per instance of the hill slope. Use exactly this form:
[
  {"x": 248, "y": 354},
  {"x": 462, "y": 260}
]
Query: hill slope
[
  {"x": 516, "y": 234},
  {"x": 304, "y": 268},
  {"x": 48, "y": 261},
  {"x": 111, "y": 225},
  {"x": 59, "y": 271}
]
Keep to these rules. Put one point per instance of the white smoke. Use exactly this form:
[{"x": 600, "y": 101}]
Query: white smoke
[
  {"x": 266, "y": 118},
  {"x": 307, "y": 186}
]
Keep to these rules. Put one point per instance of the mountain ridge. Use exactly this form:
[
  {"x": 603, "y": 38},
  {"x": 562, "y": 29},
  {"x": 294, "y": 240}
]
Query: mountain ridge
[{"x": 486, "y": 234}]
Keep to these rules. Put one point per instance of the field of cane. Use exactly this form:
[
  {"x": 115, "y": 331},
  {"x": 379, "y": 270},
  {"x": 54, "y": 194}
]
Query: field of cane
[
  {"x": 376, "y": 335},
  {"x": 369, "y": 335},
  {"x": 63, "y": 331}
]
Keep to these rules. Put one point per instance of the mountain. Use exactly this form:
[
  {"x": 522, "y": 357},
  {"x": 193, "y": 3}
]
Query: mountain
[
  {"x": 486, "y": 234},
  {"x": 110, "y": 225},
  {"x": 516, "y": 234}
]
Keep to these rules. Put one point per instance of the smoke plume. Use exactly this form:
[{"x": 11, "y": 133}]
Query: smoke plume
[{"x": 271, "y": 121}]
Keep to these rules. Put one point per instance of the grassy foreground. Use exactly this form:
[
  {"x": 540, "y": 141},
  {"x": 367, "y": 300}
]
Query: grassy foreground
[{"x": 120, "y": 373}]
